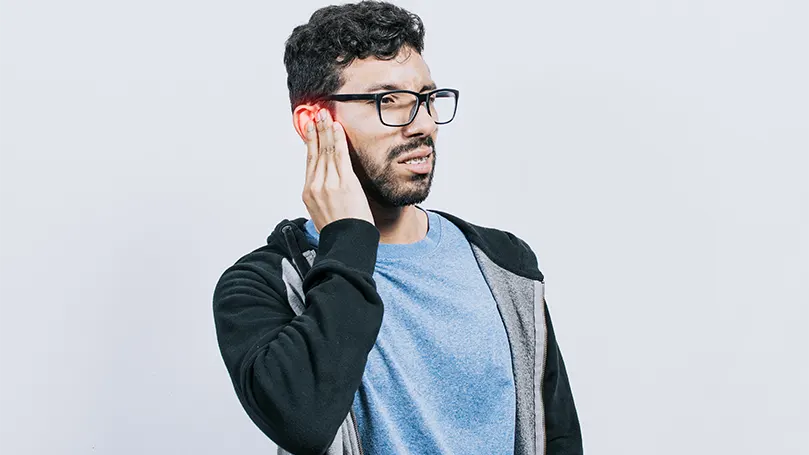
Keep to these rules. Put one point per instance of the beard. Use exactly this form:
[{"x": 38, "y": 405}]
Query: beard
[{"x": 384, "y": 183}]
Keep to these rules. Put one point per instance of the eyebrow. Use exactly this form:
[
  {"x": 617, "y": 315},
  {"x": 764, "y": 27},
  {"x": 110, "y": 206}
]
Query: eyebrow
[{"x": 389, "y": 86}]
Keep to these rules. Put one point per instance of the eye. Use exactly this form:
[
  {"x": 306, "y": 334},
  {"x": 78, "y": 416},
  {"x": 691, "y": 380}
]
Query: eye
[{"x": 388, "y": 99}]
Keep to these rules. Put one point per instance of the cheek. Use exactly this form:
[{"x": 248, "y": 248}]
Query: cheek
[
  {"x": 367, "y": 136},
  {"x": 371, "y": 143},
  {"x": 365, "y": 131}
]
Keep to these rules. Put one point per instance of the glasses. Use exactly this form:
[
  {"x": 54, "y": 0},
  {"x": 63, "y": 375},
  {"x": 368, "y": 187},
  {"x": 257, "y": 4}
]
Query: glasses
[{"x": 400, "y": 107}]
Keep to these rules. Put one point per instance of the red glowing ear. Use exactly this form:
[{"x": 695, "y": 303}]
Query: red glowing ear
[{"x": 302, "y": 115}]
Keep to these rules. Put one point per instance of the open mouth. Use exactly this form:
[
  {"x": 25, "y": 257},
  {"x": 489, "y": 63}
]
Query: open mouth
[
  {"x": 418, "y": 160},
  {"x": 419, "y": 165}
]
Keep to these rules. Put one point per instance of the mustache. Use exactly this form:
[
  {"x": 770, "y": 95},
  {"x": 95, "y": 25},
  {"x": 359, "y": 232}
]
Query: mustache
[{"x": 400, "y": 150}]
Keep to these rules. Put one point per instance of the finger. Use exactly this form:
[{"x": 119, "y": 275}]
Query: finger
[
  {"x": 341, "y": 155},
  {"x": 320, "y": 168},
  {"x": 311, "y": 150},
  {"x": 332, "y": 177}
]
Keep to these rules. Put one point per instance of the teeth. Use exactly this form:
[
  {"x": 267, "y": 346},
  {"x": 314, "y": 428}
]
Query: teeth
[{"x": 416, "y": 160}]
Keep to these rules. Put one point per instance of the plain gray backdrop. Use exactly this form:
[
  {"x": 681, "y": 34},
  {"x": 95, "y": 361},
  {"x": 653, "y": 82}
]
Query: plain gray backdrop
[{"x": 654, "y": 154}]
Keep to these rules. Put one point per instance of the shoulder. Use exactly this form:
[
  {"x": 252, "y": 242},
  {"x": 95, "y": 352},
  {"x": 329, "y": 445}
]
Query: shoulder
[
  {"x": 259, "y": 270},
  {"x": 503, "y": 247}
]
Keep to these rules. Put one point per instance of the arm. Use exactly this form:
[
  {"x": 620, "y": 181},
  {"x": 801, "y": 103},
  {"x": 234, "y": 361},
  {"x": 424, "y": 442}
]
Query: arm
[
  {"x": 562, "y": 430},
  {"x": 296, "y": 375}
]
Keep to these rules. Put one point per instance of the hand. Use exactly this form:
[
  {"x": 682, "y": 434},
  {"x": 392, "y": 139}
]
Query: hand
[{"x": 332, "y": 191}]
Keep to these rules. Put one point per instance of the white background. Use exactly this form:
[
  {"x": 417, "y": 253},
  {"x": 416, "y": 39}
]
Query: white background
[{"x": 654, "y": 154}]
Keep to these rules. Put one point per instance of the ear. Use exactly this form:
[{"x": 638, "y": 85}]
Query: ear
[{"x": 303, "y": 114}]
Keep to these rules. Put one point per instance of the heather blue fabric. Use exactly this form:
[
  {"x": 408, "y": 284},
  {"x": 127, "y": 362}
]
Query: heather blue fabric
[{"x": 439, "y": 378}]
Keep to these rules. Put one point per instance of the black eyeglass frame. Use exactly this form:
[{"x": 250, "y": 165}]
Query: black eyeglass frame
[{"x": 424, "y": 98}]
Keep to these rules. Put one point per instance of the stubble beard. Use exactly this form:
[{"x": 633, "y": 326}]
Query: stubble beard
[{"x": 388, "y": 186}]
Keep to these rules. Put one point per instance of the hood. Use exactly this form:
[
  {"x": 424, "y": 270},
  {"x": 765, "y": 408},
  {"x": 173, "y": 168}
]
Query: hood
[{"x": 504, "y": 248}]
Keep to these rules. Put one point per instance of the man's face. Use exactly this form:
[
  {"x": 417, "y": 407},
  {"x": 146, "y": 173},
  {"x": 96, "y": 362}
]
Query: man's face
[{"x": 375, "y": 148}]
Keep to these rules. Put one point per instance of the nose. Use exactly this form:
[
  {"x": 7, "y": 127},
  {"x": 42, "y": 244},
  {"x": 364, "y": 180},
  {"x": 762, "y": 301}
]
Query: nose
[{"x": 422, "y": 125}]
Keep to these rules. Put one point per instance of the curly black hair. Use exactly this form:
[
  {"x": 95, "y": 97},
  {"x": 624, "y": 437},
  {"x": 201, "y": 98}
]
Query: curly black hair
[{"x": 316, "y": 52}]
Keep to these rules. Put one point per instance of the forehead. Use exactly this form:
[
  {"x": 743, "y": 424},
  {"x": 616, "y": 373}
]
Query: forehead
[{"x": 407, "y": 70}]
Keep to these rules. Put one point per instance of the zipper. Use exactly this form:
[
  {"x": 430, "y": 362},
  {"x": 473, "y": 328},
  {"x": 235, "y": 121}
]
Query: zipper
[
  {"x": 356, "y": 429},
  {"x": 298, "y": 261}
]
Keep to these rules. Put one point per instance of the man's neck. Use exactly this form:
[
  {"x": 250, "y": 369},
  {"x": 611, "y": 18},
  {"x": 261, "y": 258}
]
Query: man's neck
[{"x": 400, "y": 225}]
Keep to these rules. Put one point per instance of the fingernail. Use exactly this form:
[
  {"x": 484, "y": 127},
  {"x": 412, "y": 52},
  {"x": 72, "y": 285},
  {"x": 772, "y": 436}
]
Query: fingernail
[
  {"x": 310, "y": 126},
  {"x": 321, "y": 115},
  {"x": 335, "y": 126}
]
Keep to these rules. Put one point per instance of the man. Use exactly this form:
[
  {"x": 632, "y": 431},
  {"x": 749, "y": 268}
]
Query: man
[{"x": 464, "y": 360}]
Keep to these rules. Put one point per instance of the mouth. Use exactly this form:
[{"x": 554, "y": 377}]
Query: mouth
[
  {"x": 419, "y": 152},
  {"x": 419, "y": 165}
]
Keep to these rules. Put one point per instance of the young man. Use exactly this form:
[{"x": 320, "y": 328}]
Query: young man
[{"x": 464, "y": 359}]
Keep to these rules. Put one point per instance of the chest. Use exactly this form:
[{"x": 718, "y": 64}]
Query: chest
[{"x": 438, "y": 326}]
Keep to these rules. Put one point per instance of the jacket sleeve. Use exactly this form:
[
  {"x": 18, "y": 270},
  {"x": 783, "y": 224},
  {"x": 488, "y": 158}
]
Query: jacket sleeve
[
  {"x": 296, "y": 376},
  {"x": 562, "y": 430}
]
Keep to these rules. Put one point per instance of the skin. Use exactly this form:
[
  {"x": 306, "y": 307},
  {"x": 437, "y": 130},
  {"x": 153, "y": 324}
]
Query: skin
[{"x": 392, "y": 191}]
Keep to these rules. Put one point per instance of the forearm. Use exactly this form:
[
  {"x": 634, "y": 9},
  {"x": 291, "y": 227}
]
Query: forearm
[{"x": 296, "y": 375}]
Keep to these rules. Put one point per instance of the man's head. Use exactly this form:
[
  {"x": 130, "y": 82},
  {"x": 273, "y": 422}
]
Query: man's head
[{"x": 364, "y": 48}]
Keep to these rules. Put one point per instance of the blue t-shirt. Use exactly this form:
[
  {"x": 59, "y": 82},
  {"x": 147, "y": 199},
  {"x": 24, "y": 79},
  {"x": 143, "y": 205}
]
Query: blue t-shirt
[{"x": 439, "y": 377}]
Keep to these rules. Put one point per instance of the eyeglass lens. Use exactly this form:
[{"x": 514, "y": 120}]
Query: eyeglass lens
[{"x": 399, "y": 108}]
